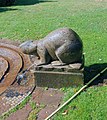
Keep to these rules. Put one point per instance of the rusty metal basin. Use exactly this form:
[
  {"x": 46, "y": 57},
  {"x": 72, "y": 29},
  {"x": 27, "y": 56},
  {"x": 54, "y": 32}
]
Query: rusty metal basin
[
  {"x": 3, "y": 67},
  {"x": 12, "y": 62},
  {"x": 15, "y": 65}
]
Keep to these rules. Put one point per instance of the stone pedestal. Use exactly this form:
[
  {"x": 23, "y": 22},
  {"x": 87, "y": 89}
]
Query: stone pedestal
[{"x": 54, "y": 76}]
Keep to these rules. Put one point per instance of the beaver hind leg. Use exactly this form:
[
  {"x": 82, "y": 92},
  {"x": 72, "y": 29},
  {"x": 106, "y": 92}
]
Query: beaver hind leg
[
  {"x": 60, "y": 53},
  {"x": 67, "y": 54}
]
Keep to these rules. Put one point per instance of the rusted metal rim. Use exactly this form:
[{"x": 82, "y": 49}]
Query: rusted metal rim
[
  {"x": 14, "y": 60},
  {"x": 3, "y": 67},
  {"x": 15, "y": 64},
  {"x": 25, "y": 58}
]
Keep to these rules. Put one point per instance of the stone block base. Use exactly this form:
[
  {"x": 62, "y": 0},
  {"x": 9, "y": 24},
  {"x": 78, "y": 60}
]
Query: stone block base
[
  {"x": 59, "y": 76},
  {"x": 58, "y": 79}
]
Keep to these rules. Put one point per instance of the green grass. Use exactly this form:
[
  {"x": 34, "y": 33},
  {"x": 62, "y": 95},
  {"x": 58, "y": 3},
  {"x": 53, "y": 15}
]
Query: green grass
[
  {"x": 89, "y": 105},
  {"x": 26, "y": 20},
  {"x": 34, "y": 21}
]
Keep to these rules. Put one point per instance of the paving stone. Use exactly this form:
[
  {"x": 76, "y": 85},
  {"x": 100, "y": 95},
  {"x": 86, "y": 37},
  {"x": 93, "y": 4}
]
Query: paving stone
[
  {"x": 46, "y": 112},
  {"x": 21, "y": 114},
  {"x": 47, "y": 97},
  {"x": 51, "y": 98}
]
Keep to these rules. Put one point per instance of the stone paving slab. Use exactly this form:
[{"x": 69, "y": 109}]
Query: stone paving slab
[
  {"x": 47, "y": 97},
  {"x": 44, "y": 113},
  {"x": 50, "y": 98},
  {"x": 21, "y": 114}
]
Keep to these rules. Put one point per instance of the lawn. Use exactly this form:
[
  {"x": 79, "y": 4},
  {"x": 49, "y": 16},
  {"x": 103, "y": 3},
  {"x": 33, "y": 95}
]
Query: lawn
[{"x": 34, "y": 19}]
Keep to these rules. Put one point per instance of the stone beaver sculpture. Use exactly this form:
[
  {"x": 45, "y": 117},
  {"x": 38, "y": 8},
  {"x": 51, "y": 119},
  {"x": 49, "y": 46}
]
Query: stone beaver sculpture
[{"x": 63, "y": 44}]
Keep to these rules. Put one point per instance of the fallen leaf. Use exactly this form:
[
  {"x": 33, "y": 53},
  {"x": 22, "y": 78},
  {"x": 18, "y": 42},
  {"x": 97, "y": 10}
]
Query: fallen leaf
[{"x": 65, "y": 112}]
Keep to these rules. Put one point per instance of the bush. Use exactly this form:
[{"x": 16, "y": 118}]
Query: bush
[{"x": 6, "y": 2}]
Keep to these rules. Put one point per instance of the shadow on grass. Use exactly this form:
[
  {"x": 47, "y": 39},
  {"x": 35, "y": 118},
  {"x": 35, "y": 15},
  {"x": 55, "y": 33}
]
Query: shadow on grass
[
  {"x": 4, "y": 9},
  {"x": 30, "y": 2},
  {"x": 92, "y": 71},
  {"x": 24, "y": 2}
]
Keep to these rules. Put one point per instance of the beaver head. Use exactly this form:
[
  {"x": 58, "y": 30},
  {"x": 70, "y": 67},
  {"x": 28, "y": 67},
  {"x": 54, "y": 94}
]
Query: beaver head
[{"x": 28, "y": 47}]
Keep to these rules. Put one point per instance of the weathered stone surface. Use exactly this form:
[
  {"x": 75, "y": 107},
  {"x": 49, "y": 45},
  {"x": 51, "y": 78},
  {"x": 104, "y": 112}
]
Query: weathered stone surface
[
  {"x": 51, "y": 98},
  {"x": 63, "y": 45},
  {"x": 44, "y": 113},
  {"x": 59, "y": 68},
  {"x": 56, "y": 63},
  {"x": 47, "y": 97},
  {"x": 75, "y": 66},
  {"x": 21, "y": 114},
  {"x": 58, "y": 79},
  {"x": 48, "y": 67},
  {"x": 56, "y": 75},
  {"x": 58, "y": 58}
]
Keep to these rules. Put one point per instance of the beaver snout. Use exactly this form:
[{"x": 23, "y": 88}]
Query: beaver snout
[{"x": 28, "y": 47}]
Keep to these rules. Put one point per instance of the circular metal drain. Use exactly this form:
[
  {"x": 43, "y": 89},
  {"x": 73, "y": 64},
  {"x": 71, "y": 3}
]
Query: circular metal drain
[{"x": 13, "y": 61}]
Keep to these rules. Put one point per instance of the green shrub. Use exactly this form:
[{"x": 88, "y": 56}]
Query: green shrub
[{"x": 6, "y": 2}]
